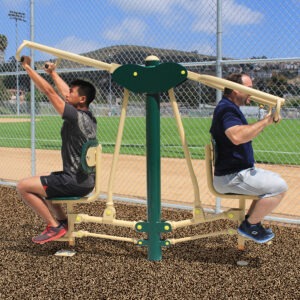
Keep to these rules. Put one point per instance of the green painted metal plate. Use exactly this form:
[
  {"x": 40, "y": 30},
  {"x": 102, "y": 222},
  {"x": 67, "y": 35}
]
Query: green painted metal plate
[
  {"x": 85, "y": 148},
  {"x": 150, "y": 79}
]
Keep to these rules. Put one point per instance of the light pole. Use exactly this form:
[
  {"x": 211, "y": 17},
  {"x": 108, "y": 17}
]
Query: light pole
[{"x": 17, "y": 16}]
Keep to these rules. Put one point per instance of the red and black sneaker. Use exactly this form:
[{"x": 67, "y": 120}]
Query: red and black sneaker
[
  {"x": 50, "y": 234},
  {"x": 64, "y": 223}
]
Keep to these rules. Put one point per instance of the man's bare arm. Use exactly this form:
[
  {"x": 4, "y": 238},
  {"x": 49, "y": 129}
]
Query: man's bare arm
[
  {"x": 241, "y": 134},
  {"x": 43, "y": 86},
  {"x": 61, "y": 85}
]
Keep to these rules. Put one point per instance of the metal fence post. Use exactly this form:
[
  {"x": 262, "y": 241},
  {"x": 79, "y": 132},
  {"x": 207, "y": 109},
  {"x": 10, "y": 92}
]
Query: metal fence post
[
  {"x": 219, "y": 47},
  {"x": 32, "y": 95}
]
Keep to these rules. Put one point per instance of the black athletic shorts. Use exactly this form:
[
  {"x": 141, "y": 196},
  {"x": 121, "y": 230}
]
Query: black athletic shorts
[{"x": 60, "y": 184}]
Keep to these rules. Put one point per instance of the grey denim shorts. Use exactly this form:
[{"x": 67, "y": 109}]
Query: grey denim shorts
[{"x": 252, "y": 181}]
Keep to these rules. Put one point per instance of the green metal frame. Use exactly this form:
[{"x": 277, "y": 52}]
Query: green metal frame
[{"x": 153, "y": 79}]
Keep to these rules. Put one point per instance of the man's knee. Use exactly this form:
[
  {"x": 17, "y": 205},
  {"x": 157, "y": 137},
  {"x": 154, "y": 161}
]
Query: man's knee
[
  {"x": 21, "y": 186},
  {"x": 29, "y": 185},
  {"x": 282, "y": 187},
  {"x": 274, "y": 184}
]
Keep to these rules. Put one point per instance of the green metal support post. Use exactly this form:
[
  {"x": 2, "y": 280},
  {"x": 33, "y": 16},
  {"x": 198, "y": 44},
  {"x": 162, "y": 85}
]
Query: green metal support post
[
  {"x": 152, "y": 80},
  {"x": 153, "y": 169}
]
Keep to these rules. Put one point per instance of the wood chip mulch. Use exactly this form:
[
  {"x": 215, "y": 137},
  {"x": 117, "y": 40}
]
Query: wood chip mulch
[{"x": 103, "y": 269}]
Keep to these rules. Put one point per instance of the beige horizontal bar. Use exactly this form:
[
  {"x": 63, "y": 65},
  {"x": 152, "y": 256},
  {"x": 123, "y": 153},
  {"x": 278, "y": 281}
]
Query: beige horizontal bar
[
  {"x": 196, "y": 237},
  {"x": 220, "y": 83},
  {"x": 114, "y": 222},
  {"x": 189, "y": 222},
  {"x": 82, "y": 233},
  {"x": 67, "y": 55}
]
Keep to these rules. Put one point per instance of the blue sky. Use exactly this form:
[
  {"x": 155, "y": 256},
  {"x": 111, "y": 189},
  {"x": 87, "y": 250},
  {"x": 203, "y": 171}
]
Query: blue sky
[{"x": 250, "y": 28}]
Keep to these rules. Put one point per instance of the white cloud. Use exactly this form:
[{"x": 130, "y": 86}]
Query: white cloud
[
  {"x": 76, "y": 45},
  {"x": 205, "y": 25},
  {"x": 201, "y": 12},
  {"x": 232, "y": 14},
  {"x": 129, "y": 30},
  {"x": 144, "y": 6},
  {"x": 237, "y": 14}
]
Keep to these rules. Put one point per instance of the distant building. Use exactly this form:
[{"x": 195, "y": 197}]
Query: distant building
[
  {"x": 13, "y": 96},
  {"x": 253, "y": 111}
]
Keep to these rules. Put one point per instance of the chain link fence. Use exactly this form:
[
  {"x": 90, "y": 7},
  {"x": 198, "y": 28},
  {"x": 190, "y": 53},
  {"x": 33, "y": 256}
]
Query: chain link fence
[{"x": 260, "y": 38}]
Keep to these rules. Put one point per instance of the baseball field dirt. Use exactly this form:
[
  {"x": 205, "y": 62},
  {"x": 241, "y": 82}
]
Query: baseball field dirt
[{"x": 130, "y": 181}]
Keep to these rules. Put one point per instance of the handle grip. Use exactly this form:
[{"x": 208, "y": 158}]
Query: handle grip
[{"x": 276, "y": 118}]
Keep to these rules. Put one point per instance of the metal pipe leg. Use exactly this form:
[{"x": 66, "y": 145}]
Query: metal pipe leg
[{"x": 242, "y": 207}]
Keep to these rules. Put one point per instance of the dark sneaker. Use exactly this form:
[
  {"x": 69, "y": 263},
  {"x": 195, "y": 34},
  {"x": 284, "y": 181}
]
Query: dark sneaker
[
  {"x": 268, "y": 230},
  {"x": 64, "y": 223},
  {"x": 255, "y": 232},
  {"x": 50, "y": 234}
]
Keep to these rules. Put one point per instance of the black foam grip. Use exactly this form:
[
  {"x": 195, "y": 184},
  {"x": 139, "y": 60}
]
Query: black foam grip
[
  {"x": 22, "y": 59},
  {"x": 46, "y": 66}
]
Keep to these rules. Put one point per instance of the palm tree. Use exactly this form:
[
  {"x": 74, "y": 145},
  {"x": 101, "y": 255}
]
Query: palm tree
[
  {"x": 3, "y": 45},
  {"x": 3, "y": 42}
]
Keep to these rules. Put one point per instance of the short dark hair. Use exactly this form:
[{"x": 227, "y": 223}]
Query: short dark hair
[
  {"x": 85, "y": 89},
  {"x": 235, "y": 77}
]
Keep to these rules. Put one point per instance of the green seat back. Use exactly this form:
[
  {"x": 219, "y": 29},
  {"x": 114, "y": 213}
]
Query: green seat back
[{"x": 87, "y": 169}]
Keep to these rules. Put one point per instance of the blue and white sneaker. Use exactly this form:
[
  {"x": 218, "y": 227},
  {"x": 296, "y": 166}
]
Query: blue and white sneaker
[
  {"x": 269, "y": 230},
  {"x": 255, "y": 232}
]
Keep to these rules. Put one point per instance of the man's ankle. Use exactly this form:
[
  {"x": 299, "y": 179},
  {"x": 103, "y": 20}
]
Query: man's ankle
[
  {"x": 252, "y": 221},
  {"x": 52, "y": 224}
]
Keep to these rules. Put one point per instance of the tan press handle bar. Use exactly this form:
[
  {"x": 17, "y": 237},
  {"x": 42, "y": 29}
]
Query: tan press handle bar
[
  {"x": 212, "y": 81},
  {"x": 67, "y": 55}
]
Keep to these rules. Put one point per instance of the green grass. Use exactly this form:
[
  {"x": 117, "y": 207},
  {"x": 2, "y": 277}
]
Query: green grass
[{"x": 278, "y": 144}]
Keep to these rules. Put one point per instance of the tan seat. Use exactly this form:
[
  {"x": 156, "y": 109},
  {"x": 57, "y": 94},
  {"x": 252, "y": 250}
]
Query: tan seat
[{"x": 209, "y": 164}]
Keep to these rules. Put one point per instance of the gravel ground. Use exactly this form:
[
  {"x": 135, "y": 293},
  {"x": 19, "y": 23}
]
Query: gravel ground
[{"x": 102, "y": 269}]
